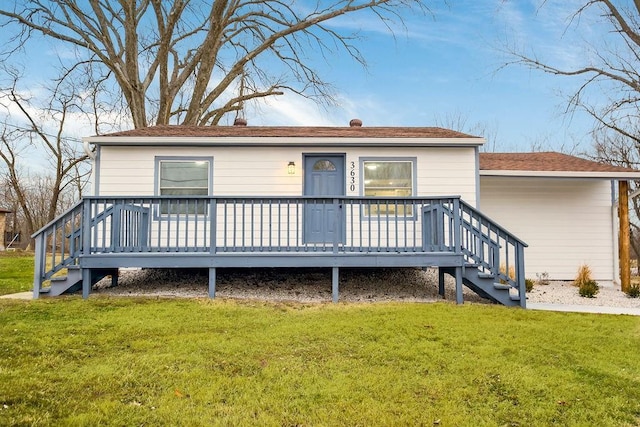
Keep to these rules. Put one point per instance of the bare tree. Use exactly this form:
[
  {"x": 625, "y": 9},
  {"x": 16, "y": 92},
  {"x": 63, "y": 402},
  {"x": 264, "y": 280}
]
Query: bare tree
[
  {"x": 25, "y": 140},
  {"x": 459, "y": 121},
  {"x": 610, "y": 66},
  {"x": 193, "y": 61},
  {"x": 617, "y": 149}
]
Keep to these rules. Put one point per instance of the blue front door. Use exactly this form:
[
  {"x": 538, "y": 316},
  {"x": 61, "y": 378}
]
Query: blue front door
[{"x": 323, "y": 176}]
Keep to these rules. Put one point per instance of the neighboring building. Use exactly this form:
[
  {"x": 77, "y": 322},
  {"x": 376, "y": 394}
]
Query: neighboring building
[
  {"x": 3, "y": 224},
  {"x": 336, "y": 197}
]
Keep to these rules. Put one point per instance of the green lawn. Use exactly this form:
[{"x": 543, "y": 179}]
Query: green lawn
[
  {"x": 16, "y": 272},
  {"x": 146, "y": 361}
]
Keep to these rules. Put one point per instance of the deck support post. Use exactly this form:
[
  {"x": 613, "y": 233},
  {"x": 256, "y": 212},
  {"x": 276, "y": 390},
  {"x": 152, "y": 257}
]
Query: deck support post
[
  {"x": 334, "y": 283},
  {"x": 86, "y": 282},
  {"x": 212, "y": 282},
  {"x": 86, "y": 247},
  {"x": 39, "y": 264},
  {"x": 114, "y": 278},
  {"x": 459, "y": 299},
  {"x": 441, "y": 282}
]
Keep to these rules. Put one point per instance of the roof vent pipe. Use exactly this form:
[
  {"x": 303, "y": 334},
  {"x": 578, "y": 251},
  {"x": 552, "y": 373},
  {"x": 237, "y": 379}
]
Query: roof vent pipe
[
  {"x": 240, "y": 122},
  {"x": 355, "y": 123}
]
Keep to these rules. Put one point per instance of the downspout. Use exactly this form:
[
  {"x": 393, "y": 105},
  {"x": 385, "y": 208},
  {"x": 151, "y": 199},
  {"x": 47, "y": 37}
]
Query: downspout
[
  {"x": 615, "y": 221},
  {"x": 87, "y": 149},
  {"x": 478, "y": 195},
  {"x": 91, "y": 153}
]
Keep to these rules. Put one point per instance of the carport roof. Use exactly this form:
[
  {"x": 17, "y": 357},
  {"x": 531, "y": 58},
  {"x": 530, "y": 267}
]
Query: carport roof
[{"x": 550, "y": 164}]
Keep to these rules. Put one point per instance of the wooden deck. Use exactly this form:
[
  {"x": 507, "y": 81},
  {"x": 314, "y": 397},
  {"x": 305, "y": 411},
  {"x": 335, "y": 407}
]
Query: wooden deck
[{"x": 102, "y": 234}]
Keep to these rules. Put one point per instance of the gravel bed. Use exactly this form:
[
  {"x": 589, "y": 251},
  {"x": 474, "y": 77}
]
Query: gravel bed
[
  {"x": 295, "y": 284},
  {"x": 565, "y": 293},
  {"x": 314, "y": 285}
]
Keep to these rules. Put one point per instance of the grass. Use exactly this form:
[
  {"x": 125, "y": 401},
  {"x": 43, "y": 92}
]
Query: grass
[
  {"x": 134, "y": 361},
  {"x": 16, "y": 272}
]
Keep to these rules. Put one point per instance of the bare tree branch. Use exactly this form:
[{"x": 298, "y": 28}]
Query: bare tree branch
[
  {"x": 157, "y": 51},
  {"x": 38, "y": 132}
]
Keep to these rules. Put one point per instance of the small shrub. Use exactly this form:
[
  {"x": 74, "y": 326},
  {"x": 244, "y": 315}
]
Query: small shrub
[
  {"x": 543, "y": 278},
  {"x": 634, "y": 291},
  {"x": 583, "y": 276},
  {"x": 528, "y": 283},
  {"x": 511, "y": 274},
  {"x": 589, "y": 289}
]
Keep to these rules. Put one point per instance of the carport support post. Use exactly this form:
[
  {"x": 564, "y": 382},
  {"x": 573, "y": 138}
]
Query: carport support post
[{"x": 624, "y": 241}]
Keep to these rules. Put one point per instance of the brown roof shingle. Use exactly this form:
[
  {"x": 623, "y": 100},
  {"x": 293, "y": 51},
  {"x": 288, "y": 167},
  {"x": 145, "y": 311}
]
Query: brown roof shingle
[
  {"x": 544, "y": 161},
  {"x": 292, "y": 132}
]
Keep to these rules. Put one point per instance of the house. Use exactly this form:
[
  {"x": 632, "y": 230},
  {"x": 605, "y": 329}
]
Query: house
[{"x": 244, "y": 196}]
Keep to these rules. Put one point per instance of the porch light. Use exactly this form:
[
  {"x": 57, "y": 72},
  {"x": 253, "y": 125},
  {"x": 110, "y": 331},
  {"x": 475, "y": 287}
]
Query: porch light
[{"x": 291, "y": 168}]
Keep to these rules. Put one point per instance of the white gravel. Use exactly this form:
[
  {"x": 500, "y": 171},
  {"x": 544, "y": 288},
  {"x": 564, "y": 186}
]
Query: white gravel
[
  {"x": 294, "y": 284},
  {"x": 314, "y": 285},
  {"x": 566, "y": 293}
]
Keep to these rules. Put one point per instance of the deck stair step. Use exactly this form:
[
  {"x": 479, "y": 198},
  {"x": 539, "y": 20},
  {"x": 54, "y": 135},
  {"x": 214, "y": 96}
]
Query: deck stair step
[
  {"x": 72, "y": 282},
  {"x": 484, "y": 284},
  {"x": 62, "y": 284}
]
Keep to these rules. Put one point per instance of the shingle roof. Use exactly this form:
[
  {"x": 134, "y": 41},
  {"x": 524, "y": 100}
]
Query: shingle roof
[
  {"x": 544, "y": 161},
  {"x": 291, "y": 132},
  {"x": 502, "y": 163}
]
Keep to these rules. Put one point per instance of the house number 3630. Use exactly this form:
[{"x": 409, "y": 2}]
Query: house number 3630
[{"x": 352, "y": 176}]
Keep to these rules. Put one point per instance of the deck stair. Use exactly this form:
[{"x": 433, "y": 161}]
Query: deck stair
[
  {"x": 494, "y": 258},
  {"x": 488, "y": 286},
  {"x": 72, "y": 281}
]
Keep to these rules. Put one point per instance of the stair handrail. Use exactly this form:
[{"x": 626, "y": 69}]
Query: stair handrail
[
  {"x": 473, "y": 250},
  {"x": 57, "y": 219},
  {"x": 73, "y": 242},
  {"x": 69, "y": 253},
  {"x": 516, "y": 281},
  {"x": 495, "y": 224}
]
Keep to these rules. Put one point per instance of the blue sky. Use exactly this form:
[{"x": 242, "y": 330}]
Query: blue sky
[
  {"x": 445, "y": 66},
  {"x": 450, "y": 65}
]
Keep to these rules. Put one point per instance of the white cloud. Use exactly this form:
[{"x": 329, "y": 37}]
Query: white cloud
[{"x": 293, "y": 110}]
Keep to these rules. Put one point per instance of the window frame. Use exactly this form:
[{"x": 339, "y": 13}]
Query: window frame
[
  {"x": 411, "y": 160},
  {"x": 182, "y": 159}
]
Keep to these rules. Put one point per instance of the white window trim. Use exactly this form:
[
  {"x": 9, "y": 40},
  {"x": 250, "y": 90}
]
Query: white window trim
[
  {"x": 157, "y": 178},
  {"x": 411, "y": 160}
]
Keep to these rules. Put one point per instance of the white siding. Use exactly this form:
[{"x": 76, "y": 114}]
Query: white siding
[
  {"x": 262, "y": 171},
  {"x": 566, "y": 222}
]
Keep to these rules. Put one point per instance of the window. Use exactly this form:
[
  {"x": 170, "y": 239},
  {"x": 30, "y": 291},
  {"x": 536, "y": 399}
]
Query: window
[
  {"x": 324, "y": 165},
  {"x": 183, "y": 178},
  {"x": 388, "y": 178}
]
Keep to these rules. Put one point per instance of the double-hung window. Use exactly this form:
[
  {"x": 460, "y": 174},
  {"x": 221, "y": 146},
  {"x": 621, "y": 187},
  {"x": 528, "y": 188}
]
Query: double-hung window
[
  {"x": 389, "y": 178},
  {"x": 183, "y": 177}
]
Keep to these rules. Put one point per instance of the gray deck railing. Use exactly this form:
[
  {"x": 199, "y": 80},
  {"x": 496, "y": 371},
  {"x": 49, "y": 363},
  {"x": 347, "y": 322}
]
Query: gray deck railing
[
  {"x": 240, "y": 225},
  {"x": 256, "y": 224}
]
